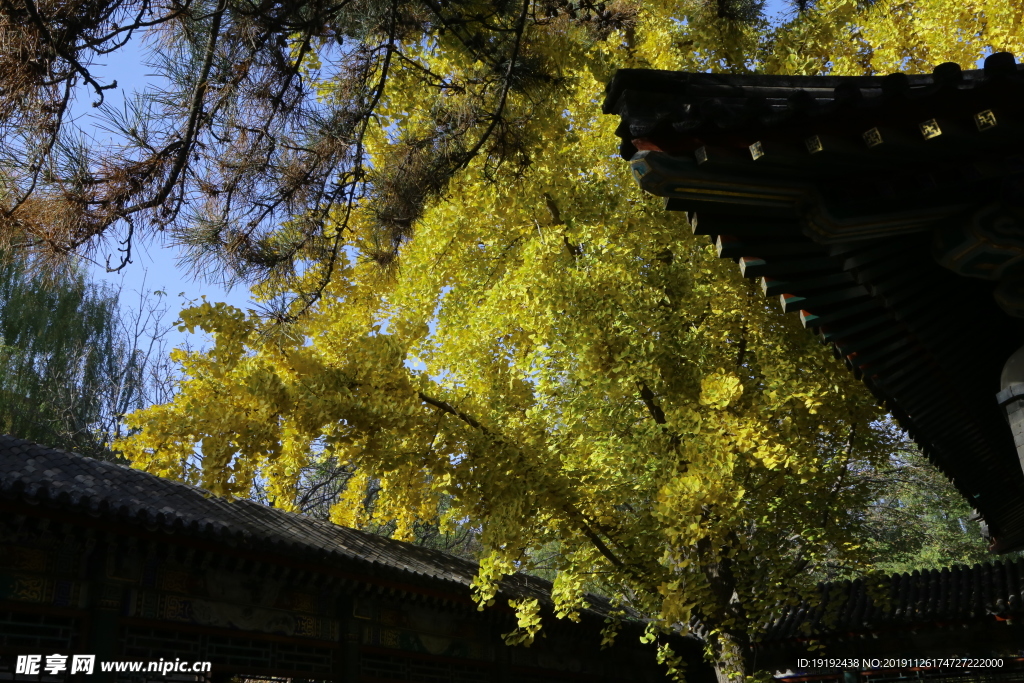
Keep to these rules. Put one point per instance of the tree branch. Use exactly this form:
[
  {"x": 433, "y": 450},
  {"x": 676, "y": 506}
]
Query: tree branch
[
  {"x": 37, "y": 19},
  {"x": 451, "y": 410},
  {"x": 647, "y": 396},
  {"x": 507, "y": 86},
  {"x": 195, "y": 111}
]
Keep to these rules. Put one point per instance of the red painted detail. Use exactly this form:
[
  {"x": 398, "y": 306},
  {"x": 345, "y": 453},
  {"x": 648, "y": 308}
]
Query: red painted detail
[{"x": 645, "y": 145}]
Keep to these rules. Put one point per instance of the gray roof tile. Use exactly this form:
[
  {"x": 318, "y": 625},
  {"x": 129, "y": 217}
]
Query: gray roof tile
[
  {"x": 68, "y": 480},
  {"x": 957, "y": 594}
]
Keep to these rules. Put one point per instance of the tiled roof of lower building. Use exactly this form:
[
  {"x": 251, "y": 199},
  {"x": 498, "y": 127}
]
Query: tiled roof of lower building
[
  {"x": 984, "y": 592},
  {"x": 37, "y": 474}
]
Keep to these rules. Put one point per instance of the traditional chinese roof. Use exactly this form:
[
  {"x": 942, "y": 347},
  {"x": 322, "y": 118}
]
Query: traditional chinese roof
[
  {"x": 888, "y": 212},
  {"x": 41, "y": 476},
  {"x": 955, "y": 611},
  {"x": 989, "y": 591}
]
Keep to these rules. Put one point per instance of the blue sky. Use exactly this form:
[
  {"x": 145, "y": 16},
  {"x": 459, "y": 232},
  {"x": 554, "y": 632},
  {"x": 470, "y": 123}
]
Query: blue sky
[{"x": 154, "y": 262}]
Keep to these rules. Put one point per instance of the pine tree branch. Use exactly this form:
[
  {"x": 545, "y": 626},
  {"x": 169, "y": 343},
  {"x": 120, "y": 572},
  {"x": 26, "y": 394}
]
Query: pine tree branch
[
  {"x": 37, "y": 19},
  {"x": 506, "y": 87},
  {"x": 195, "y": 111}
]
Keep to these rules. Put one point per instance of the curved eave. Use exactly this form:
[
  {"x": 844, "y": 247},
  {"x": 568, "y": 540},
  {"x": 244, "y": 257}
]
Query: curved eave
[{"x": 782, "y": 175}]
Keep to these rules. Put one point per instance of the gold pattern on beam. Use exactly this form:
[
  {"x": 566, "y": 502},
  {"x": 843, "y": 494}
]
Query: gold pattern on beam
[
  {"x": 985, "y": 120},
  {"x": 930, "y": 129},
  {"x": 756, "y": 150},
  {"x": 872, "y": 137},
  {"x": 813, "y": 144}
]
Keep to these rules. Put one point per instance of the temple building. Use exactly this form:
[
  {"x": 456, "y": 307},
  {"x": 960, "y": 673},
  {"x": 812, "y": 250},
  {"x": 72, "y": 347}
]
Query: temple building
[
  {"x": 99, "y": 559},
  {"x": 888, "y": 213}
]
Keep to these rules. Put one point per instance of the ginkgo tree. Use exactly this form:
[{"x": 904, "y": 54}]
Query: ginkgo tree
[{"x": 553, "y": 355}]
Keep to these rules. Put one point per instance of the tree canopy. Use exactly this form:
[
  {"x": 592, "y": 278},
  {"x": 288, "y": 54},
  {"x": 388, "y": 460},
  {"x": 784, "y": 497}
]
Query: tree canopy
[
  {"x": 472, "y": 302},
  {"x": 918, "y": 520},
  {"x": 71, "y": 362}
]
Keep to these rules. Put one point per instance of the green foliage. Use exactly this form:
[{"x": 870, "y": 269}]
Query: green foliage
[
  {"x": 66, "y": 375},
  {"x": 72, "y": 363},
  {"x": 919, "y": 520}
]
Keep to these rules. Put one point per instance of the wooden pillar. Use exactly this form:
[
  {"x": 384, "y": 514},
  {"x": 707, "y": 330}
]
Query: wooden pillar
[
  {"x": 102, "y": 623},
  {"x": 350, "y": 636}
]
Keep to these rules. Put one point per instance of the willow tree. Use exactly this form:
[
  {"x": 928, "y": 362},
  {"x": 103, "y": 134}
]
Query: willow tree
[
  {"x": 71, "y": 361},
  {"x": 538, "y": 344}
]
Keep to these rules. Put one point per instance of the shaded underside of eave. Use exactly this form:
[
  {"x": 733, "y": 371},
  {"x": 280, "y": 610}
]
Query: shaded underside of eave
[{"x": 928, "y": 344}]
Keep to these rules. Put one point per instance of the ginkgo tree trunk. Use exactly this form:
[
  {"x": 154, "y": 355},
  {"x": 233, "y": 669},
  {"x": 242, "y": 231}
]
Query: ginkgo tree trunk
[{"x": 558, "y": 358}]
